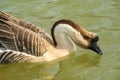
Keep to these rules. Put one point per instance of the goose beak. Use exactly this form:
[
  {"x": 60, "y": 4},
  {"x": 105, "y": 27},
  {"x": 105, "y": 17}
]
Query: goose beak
[{"x": 94, "y": 47}]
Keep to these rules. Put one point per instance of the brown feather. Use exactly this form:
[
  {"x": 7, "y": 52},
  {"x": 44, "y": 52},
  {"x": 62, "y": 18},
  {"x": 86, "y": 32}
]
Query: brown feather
[{"x": 27, "y": 25}]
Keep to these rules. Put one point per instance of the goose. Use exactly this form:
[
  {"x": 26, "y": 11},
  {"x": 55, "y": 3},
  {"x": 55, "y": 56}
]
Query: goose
[{"x": 22, "y": 41}]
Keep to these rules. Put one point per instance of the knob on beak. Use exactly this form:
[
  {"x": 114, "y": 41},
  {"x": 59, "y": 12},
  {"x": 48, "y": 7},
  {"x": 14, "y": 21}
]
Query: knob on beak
[{"x": 95, "y": 47}]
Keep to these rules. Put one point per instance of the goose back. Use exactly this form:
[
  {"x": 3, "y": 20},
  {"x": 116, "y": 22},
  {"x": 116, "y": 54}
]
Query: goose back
[{"x": 27, "y": 25}]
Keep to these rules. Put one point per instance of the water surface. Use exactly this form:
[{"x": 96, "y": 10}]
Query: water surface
[{"x": 100, "y": 16}]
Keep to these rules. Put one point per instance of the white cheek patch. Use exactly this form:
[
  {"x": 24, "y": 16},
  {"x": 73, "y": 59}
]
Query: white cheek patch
[{"x": 78, "y": 36}]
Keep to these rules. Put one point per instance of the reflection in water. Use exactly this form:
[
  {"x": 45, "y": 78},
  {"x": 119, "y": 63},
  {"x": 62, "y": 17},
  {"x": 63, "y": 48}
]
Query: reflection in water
[
  {"x": 100, "y": 16},
  {"x": 72, "y": 66},
  {"x": 28, "y": 71}
]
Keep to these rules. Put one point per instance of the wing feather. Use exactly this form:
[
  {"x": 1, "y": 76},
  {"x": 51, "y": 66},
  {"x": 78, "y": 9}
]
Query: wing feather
[
  {"x": 27, "y": 25},
  {"x": 7, "y": 38}
]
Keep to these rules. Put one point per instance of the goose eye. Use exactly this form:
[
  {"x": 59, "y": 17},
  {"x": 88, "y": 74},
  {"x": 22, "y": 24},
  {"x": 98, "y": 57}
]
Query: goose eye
[{"x": 86, "y": 37}]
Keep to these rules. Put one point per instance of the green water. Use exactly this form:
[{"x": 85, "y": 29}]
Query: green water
[{"x": 100, "y": 16}]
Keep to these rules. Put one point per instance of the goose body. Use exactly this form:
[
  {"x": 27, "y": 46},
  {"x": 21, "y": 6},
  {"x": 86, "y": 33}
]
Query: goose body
[{"x": 21, "y": 41}]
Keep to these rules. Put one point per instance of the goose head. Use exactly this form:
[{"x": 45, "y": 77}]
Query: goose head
[{"x": 66, "y": 34}]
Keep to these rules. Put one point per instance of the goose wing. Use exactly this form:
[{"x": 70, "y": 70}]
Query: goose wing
[
  {"x": 27, "y": 25},
  {"x": 15, "y": 37},
  {"x": 7, "y": 39}
]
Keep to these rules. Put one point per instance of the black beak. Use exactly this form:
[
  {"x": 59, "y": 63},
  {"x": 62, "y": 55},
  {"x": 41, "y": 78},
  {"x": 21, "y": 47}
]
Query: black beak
[{"x": 95, "y": 47}]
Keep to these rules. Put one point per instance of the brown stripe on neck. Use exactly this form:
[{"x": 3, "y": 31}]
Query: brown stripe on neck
[{"x": 86, "y": 34}]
